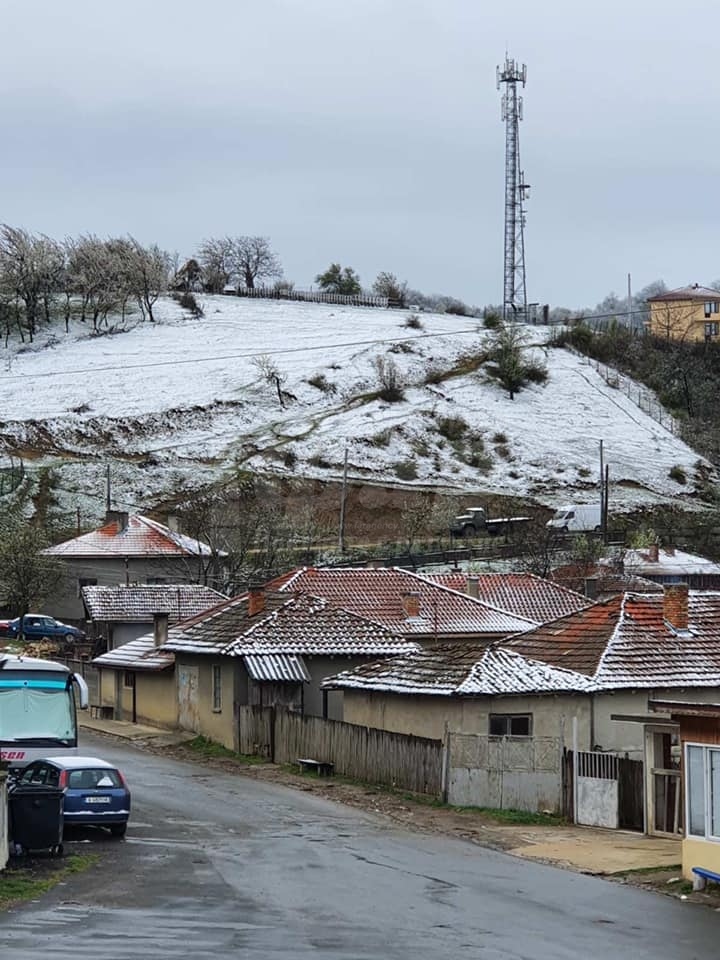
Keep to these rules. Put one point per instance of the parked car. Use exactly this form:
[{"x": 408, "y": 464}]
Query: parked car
[
  {"x": 95, "y": 791},
  {"x": 37, "y": 626}
]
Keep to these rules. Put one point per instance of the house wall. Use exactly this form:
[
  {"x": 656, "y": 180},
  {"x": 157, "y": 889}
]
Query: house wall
[
  {"x": 155, "y": 696},
  {"x": 65, "y": 602},
  {"x": 220, "y": 726},
  {"x": 680, "y": 319},
  {"x": 319, "y": 668},
  {"x": 628, "y": 737},
  {"x": 426, "y": 716}
]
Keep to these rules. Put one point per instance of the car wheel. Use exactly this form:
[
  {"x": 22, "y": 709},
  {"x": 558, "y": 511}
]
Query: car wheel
[
  {"x": 118, "y": 829},
  {"x": 69, "y": 637}
]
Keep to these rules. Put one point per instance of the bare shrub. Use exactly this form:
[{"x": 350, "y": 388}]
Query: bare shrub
[{"x": 389, "y": 378}]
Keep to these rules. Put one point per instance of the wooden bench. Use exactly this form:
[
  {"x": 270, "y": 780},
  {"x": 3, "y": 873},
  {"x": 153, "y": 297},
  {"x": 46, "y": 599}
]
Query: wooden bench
[
  {"x": 702, "y": 876},
  {"x": 323, "y": 768}
]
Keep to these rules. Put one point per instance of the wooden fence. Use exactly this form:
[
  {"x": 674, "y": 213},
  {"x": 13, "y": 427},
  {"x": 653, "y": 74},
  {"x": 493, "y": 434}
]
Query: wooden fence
[
  {"x": 312, "y": 296},
  {"x": 364, "y": 753}
]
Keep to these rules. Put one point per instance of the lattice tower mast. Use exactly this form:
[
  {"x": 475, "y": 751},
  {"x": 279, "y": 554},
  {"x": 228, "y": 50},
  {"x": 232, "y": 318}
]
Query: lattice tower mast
[{"x": 516, "y": 192}]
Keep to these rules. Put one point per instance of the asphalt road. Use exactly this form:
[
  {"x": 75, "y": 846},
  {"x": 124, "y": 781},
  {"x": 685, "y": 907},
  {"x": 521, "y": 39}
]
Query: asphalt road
[{"x": 218, "y": 866}]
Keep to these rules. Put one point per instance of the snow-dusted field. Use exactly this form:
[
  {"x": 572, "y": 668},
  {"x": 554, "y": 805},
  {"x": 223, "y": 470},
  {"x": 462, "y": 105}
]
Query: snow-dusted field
[{"x": 177, "y": 402}]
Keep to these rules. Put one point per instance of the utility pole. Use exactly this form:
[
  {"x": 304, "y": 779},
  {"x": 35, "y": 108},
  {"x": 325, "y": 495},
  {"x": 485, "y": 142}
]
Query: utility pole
[
  {"x": 516, "y": 192},
  {"x": 343, "y": 497},
  {"x": 602, "y": 484},
  {"x": 107, "y": 489},
  {"x": 630, "y": 303}
]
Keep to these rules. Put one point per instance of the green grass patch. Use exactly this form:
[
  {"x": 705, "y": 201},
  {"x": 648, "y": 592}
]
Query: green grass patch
[
  {"x": 27, "y": 879},
  {"x": 210, "y": 750},
  {"x": 523, "y": 817}
]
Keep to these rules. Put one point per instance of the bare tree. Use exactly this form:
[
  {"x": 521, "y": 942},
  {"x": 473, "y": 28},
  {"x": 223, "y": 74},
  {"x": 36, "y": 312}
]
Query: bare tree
[
  {"x": 216, "y": 259},
  {"x": 253, "y": 259},
  {"x": 149, "y": 274},
  {"x": 416, "y": 517},
  {"x": 271, "y": 373}
]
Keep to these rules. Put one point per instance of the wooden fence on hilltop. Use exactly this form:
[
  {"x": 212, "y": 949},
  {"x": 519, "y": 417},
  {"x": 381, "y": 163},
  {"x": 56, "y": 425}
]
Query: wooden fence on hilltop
[
  {"x": 364, "y": 753},
  {"x": 313, "y": 296}
]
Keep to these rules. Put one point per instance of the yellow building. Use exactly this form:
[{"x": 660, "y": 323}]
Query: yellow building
[{"x": 688, "y": 313}]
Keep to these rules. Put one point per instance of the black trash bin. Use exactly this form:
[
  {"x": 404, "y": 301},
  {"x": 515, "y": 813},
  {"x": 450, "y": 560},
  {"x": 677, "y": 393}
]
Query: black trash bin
[{"x": 36, "y": 818}]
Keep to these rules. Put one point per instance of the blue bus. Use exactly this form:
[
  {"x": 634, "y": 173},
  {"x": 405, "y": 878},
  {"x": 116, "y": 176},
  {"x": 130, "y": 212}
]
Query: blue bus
[{"x": 38, "y": 708}]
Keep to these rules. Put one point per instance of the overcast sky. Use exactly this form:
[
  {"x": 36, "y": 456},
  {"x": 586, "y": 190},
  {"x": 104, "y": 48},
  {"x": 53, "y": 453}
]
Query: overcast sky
[{"x": 368, "y": 132}]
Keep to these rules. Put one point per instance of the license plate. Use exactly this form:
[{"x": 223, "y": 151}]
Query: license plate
[{"x": 97, "y": 799}]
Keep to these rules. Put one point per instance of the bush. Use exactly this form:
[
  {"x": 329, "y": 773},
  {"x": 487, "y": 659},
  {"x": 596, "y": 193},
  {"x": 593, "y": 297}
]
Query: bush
[
  {"x": 290, "y": 458},
  {"x": 320, "y": 382},
  {"x": 492, "y": 321},
  {"x": 452, "y": 428},
  {"x": 391, "y": 388},
  {"x": 188, "y": 301},
  {"x": 435, "y": 373},
  {"x": 318, "y": 461},
  {"x": 406, "y": 470},
  {"x": 535, "y": 372},
  {"x": 381, "y": 439},
  {"x": 677, "y": 473},
  {"x": 413, "y": 322},
  {"x": 499, "y": 437}
]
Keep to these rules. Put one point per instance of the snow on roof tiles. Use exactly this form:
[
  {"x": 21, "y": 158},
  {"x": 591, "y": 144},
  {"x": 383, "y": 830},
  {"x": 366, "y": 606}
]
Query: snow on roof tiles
[
  {"x": 141, "y": 537},
  {"x": 522, "y": 594},
  {"x": 692, "y": 292},
  {"x": 378, "y": 595},
  {"x": 140, "y": 654},
  {"x": 670, "y": 562},
  {"x": 458, "y": 669},
  {"x": 138, "y": 604}
]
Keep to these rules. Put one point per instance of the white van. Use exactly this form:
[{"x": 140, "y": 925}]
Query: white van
[{"x": 576, "y": 518}]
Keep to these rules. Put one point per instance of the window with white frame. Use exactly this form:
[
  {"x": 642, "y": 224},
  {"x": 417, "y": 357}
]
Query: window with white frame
[
  {"x": 711, "y": 306},
  {"x": 217, "y": 688},
  {"x": 510, "y": 725},
  {"x": 702, "y": 788}
]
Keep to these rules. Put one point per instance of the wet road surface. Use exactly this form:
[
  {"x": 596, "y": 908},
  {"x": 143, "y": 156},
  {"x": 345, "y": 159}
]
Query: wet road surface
[{"x": 218, "y": 866}]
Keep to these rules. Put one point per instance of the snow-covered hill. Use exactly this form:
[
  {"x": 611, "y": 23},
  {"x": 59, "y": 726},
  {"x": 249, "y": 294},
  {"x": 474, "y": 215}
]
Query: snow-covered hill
[{"x": 178, "y": 402}]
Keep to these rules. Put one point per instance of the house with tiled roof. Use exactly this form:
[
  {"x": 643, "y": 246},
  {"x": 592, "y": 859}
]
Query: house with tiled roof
[
  {"x": 616, "y": 656},
  {"x": 415, "y": 606},
  {"x": 120, "y": 614},
  {"x": 520, "y": 594},
  {"x": 258, "y": 649},
  {"x": 688, "y": 313},
  {"x": 128, "y": 549}
]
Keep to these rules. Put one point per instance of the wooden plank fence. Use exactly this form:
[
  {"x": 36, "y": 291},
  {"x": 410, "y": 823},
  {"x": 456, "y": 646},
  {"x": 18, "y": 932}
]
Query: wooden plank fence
[
  {"x": 364, "y": 753},
  {"x": 312, "y": 296}
]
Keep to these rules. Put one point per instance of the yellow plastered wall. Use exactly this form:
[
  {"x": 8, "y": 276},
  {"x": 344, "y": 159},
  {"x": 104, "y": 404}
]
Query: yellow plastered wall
[
  {"x": 697, "y": 852},
  {"x": 680, "y": 319}
]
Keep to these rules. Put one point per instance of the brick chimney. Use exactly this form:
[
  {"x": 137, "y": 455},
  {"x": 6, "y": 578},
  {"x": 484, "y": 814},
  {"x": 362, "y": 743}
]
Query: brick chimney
[
  {"x": 675, "y": 605},
  {"x": 256, "y": 599},
  {"x": 160, "y": 628},
  {"x": 472, "y": 587},
  {"x": 653, "y": 552},
  {"x": 411, "y": 604}
]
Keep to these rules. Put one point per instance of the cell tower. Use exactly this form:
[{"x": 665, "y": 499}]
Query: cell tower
[{"x": 516, "y": 192}]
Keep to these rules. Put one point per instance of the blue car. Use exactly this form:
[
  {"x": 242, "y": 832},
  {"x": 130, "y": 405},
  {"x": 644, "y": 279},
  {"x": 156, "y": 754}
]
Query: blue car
[{"x": 96, "y": 792}]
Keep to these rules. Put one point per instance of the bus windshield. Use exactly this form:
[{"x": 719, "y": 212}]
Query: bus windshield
[{"x": 30, "y": 714}]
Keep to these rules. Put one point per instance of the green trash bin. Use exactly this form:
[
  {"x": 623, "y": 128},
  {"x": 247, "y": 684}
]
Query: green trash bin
[{"x": 36, "y": 818}]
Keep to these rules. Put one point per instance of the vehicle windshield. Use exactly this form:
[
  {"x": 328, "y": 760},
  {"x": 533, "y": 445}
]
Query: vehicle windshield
[{"x": 36, "y": 714}]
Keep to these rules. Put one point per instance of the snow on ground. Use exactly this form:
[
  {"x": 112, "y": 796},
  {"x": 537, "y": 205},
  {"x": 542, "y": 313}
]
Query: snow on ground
[{"x": 176, "y": 403}]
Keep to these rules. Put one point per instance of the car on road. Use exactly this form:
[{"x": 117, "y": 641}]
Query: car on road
[
  {"x": 95, "y": 792},
  {"x": 37, "y": 626}
]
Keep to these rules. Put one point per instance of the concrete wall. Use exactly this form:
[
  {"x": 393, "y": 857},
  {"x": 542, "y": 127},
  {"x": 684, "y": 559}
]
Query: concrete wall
[
  {"x": 697, "y": 852},
  {"x": 505, "y": 773},
  {"x": 427, "y": 716},
  {"x": 597, "y": 802},
  {"x": 220, "y": 725}
]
